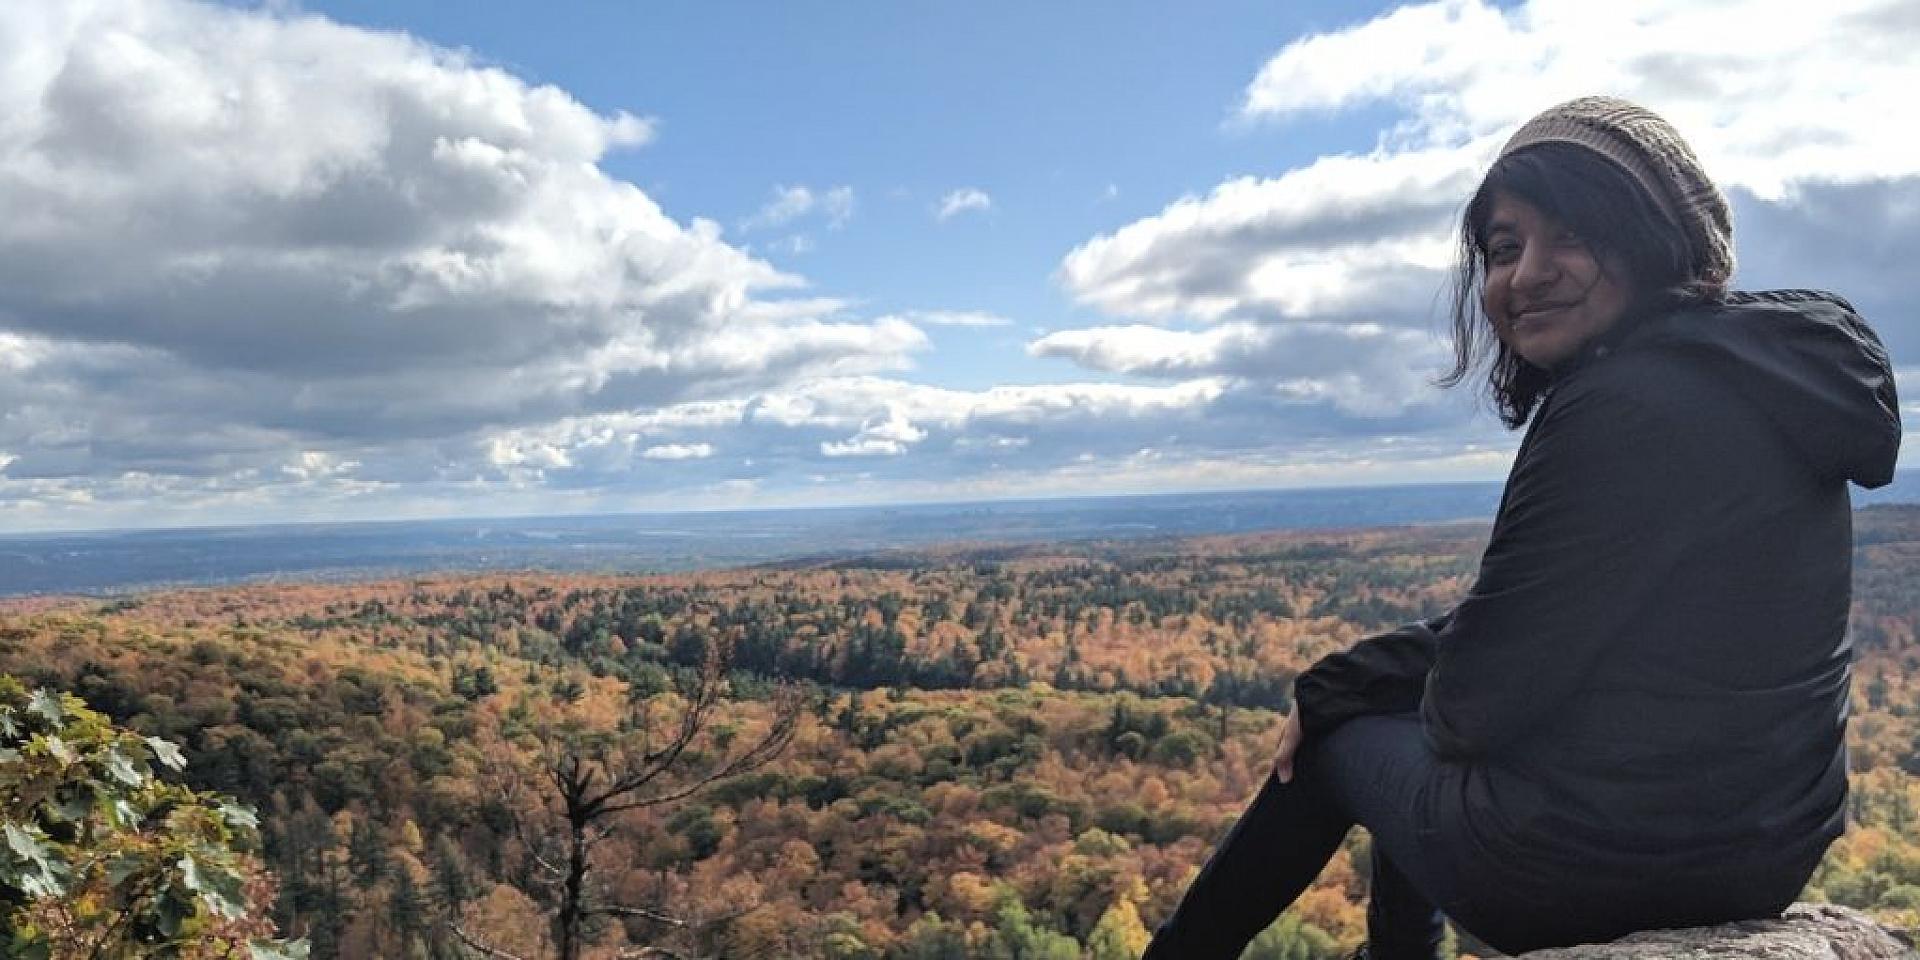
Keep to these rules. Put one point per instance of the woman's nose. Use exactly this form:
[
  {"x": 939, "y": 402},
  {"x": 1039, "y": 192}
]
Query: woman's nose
[{"x": 1536, "y": 269}]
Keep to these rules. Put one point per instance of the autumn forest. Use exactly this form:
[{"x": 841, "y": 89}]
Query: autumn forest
[{"x": 974, "y": 751}]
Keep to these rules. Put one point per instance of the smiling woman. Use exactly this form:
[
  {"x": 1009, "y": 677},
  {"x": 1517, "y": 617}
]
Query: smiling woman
[
  {"x": 1547, "y": 292},
  {"x": 1561, "y": 240},
  {"x": 1636, "y": 717}
]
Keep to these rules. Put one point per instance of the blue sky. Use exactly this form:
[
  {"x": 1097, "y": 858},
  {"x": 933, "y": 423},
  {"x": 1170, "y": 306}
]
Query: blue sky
[
  {"x": 1073, "y": 118},
  {"x": 359, "y": 260}
]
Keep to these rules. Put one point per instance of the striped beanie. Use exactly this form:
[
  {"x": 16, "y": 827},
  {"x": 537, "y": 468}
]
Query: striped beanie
[{"x": 1650, "y": 150}]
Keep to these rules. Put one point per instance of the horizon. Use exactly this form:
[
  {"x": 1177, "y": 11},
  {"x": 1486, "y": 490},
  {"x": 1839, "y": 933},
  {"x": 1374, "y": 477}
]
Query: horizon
[
  {"x": 722, "y": 511},
  {"x": 348, "y": 261},
  {"x": 119, "y": 562},
  {"x": 1894, "y": 494}
]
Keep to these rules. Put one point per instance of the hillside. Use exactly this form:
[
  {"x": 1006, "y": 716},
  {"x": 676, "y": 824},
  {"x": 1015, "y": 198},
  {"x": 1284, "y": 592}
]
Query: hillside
[{"x": 1018, "y": 752}]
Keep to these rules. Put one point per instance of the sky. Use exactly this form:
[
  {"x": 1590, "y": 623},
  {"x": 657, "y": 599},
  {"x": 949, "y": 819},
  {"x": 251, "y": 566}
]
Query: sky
[{"x": 356, "y": 260}]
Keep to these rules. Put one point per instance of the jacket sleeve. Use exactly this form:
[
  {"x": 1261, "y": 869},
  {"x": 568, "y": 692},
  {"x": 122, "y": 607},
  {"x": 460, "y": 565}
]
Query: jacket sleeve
[
  {"x": 1381, "y": 674},
  {"x": 1610, "y": 487}
]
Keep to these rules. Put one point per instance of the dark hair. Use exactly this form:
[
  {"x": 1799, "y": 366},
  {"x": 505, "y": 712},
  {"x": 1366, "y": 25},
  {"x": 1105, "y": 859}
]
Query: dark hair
[{"x": 1591, "y": 196}]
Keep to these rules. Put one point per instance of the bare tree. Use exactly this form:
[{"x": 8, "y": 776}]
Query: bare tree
[{"x": 664, "y": 754}]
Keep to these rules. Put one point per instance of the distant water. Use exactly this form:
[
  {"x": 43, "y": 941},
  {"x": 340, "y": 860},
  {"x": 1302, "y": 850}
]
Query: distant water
[{"x": 110, "y": 562}]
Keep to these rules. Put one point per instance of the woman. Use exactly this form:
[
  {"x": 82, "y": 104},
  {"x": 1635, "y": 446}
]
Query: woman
[{"x": 1635, "y": 718}]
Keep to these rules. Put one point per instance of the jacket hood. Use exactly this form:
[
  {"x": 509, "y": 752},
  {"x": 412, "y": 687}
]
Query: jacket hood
[{"x": 1808, "y": 362}]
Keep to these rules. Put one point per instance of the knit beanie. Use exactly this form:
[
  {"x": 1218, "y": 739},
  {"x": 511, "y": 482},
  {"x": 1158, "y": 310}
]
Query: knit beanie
[{"x": 1650, "y": 150}]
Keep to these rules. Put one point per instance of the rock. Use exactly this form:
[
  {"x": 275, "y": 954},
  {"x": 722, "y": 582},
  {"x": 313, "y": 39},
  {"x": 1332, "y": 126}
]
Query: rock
[{"x": 1808, "y": 931}]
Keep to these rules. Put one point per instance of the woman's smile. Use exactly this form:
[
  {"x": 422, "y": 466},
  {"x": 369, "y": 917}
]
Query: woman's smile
[
  {"x": 1538, "y": 319},
  {"x": 1529, "y": 317}
]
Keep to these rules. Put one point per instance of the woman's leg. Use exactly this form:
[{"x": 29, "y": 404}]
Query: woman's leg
[
  {"x": 1401, "y": 920},
  {"x": 1268, "y": 859},
  {"x": 1380, "y": 772},
  {"x": 1375, "y": 771}
]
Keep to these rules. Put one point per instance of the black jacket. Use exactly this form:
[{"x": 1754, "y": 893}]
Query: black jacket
[{"x": 1651, "y": 668}]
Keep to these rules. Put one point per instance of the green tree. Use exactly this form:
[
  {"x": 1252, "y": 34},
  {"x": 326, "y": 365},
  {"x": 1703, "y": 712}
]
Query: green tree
[
  {"x": 406, "y": 910},
  {"x": 931, "y": 938},
  {"x": 1119, "y": 935},
  {"x": 1289, "y": 938},
  {"x": 1017, "y": 937},
  {"x": 102, "y": 859},
  {"x": 367, "y": 856}
]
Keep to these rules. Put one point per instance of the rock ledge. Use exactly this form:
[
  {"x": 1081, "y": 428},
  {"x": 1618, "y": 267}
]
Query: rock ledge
[{"x": 1808, "y": 931}]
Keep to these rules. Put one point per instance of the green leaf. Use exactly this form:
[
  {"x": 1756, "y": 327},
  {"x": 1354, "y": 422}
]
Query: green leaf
[
  {"x": 167, "y": 753},
  {"x": 47, "y": 704},
  {"x": 46, "y": 874},
  {"x": 217, "y": 887},
  {"x": 69, "y": 804},
  {"x": 123, "y": 866},
  {"x": 122, "y": 813},
  {"x": 41, "y": 884},
  {"x": 239, "y": 816},
  {"x": 23, "y": 843},
  {"x": 59, "y": 749},
  {"x": 171, "y": 911},
  {"x": 277, "y": 950},
  {"x": 122, "y": 769},
  {"x": 7, "y": 726},
  {"x": 190, "y": 875}
]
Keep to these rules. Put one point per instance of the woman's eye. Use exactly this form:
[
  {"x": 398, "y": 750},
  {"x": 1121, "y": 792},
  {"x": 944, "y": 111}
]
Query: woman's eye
[
  {"x": 1567, "y": 238},
  {"x": 1503, "y": 252}
]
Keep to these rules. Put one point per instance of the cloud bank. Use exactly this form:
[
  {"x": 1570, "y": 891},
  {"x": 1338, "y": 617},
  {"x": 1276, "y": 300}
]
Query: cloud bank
[
  {"x": 262, "y": 265},
  {"x": 234, "y": 236},
  {"x": 1330, "y": 270}
]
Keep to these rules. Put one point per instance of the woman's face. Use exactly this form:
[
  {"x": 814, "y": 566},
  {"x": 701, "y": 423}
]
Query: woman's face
[{"x": 1546, "y": 292}]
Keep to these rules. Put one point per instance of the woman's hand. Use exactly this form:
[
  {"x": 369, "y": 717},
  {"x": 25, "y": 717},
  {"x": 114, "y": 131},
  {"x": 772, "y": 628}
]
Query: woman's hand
[{"x": 1290, "y": 736}]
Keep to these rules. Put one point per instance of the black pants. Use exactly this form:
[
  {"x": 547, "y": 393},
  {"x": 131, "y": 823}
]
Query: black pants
[
  {"x": 1378, "y": 772},
  {"x": 1373, "y": 771}
]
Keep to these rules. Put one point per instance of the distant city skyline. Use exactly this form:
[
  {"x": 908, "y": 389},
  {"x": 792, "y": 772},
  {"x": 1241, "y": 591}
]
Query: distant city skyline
[{"x": 359, "y": 260}]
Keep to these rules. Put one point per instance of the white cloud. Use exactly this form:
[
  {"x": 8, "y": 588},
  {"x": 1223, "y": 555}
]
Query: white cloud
[
  {"x": 856, "y": 416},
  {"x": 961, "y": 201},
  {"x": 881, "y": 438},
  {"x": 955, "y": 318},
  {"x": 991, "y": 443},
  {"x": 1363, "y": 369},
  {"x": 317, "y": 465},
  {"x": 1787, "y": 94},
  {"x": 237, "y": 235},
  {"x": 678, "y": 451},
  {"x": 902, "y": 440},
  {"x": 1431, "y": 43},
  {"x": 503, "y": 453},
  {"x": 794, "y": 245},
  {"x": 19, "y": 354},
  {"x": 1144, "y": 349},
  {"x": 853, "y": 402},
  {"x": 809, "y": 347},
  {"x": 838, "y": 205},
  {"x": 789, "y": 203},
  {"x": 1343, "y": 235},
  {"x": 1788, "y": 112}
]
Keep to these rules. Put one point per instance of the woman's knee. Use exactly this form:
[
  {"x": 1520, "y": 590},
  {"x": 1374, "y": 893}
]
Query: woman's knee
[{"x": 1374, "y": 767}]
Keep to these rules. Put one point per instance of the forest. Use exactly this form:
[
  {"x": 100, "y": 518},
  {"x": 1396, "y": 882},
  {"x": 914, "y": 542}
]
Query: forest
[{"x": 1000, "y": 752}]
